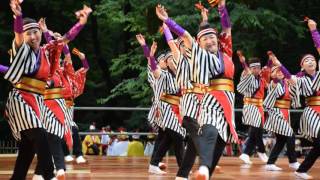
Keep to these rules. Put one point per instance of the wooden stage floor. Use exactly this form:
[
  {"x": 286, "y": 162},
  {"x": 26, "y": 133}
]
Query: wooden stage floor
[{"x": 124, "y": 168}]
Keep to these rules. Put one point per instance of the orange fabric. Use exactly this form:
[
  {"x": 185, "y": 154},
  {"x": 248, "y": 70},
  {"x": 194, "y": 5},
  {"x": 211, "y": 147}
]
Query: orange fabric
[
  {"x": 76, "y": 79},
  {"x": 31, "y": 101},
  {"x": 262, "y": 114},
  {"x": 226, "y": 47},
  {"x": 44, "y": 68},
  {"x": 227, "y": 109},
  {"x": 56, "y": 109},
  {"x": 176, "y": 111},
  {"x": 315, "y": 108},
  {"x": 260, "y": 92},
  {"x": 286, "y": 96}
]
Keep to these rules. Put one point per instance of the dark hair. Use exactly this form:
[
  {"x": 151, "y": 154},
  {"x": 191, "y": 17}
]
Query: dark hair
[
  {"x": 28, "y": 20},
  {"x": 161, "y": 53},
  {"x": 204, "y": 25},
  {"x": 254, "y": 60}
]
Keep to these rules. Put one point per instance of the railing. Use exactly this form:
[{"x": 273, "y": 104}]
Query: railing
[{"x": 10, "y": 146}]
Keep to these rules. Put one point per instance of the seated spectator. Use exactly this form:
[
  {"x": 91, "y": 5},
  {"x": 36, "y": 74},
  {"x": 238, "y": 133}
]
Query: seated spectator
[
  {"x": 105, "y": 139},
  {"x": 120, "y": 148},
  {"x": 150, "y": 145},
  {"x": 135, "y": 147},
  {"x": 112, "y": 142},
  {"x": 91, "y": 145}
]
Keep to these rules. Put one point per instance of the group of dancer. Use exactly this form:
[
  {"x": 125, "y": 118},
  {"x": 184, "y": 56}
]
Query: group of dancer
[
  {"x": 194, "y": 98},
  {"x": 40, "y": 105}
]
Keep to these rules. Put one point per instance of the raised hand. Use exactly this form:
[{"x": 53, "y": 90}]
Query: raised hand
[
  {"x": 161, "y": 12},
  {"x": 241, "y": 56},
  {"x": 273, "y": 58},
  {"x": 15, "y": 7},
  {"x": 140, "y": 39},
  {"x": 204, "y": 14},
  {"x": 312, "y": 24},
  {"x": 83, "y": 14},
  {"x": 153, "y": 48},
  {"x": 222, "y": 3},
  {"x": 43, "y": 25}
]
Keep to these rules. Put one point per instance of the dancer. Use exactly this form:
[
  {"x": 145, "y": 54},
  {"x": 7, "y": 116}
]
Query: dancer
[
  {"x": 169, "y": 112},
  {"x": 309, "y": 86},
  {"x": 74, "y": 85},
  {"x": 154, "y": 113},
  {"x": 252, "y": 86},
  {"x": 189, "y": 103},
  {"x": 56, "y": 111},
  {"x": 282, "y": 93},
  {"x": 213, "y": 72},
  {"x": 28, "y": 72}
]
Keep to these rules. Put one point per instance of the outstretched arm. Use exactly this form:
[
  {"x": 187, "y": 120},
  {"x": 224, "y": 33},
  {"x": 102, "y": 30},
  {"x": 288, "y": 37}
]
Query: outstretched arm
[
  {"x": 243, "y": 62},
  {"x": 224, "y": 17},
  {"x": 314, "y": 33},
  {"x": 18, "y": 22},
  {"x": 173, "y": 47},
  {"x": 149, "y": 55},
  {"x": 82, "y": 15},
  {"x": 174, "y": 27}
]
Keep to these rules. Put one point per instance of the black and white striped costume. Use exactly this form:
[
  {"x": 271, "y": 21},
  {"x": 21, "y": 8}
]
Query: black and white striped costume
[
  {"x": 69, "y": 117},
  {"x": 310, "y": 119},
  {"x": 166, "y": 83},
  {"x": 51, "y": 123},
  {"x": 153, "y": 116},
  {"x": 189, "y": 102},
  {"x": 248, "y": 86},
  {"x": 276, "y": 121},
  {"x": 204, "y": 67},
  {"x": 21, "y": 116}
]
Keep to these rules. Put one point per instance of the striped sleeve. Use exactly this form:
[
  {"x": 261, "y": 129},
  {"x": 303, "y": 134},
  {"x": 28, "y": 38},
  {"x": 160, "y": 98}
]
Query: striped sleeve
[
  {"x": 295, "y": 95},
  {"x": 150, "y": 76},
  {"x": 316, "y": 82},
  {"x": 248, "y": 85},
  {"x": 183, "y": 73},
  {"x": 23, "y": 61},
  {"x": 273, "y": 94},
  {"x": 305, "y": 86}
]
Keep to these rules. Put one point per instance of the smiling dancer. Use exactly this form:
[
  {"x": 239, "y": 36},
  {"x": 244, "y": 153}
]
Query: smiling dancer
[
  {"x": 252, "y": 86},
  {"x": 212, "y": 74},
  {"x": 282, "y": 94},
  {"x": 309, "y": 86}
]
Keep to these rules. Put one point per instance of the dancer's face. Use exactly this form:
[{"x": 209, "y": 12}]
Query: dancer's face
[
  {"x": 309, "y": 64},
  {"x": 279, "y": 74},
  {"x": 256, "y": 70},
  {"x": 33, "y": 38},
  {"x": 209, "y": 42}
]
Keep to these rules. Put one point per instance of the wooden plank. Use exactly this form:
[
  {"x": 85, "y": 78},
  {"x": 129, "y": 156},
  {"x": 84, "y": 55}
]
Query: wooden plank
[{"x": 122, "y": 168}]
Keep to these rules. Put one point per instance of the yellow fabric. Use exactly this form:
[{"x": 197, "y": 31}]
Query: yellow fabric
[
  {"x": 135, "y": 148},
  {"x": 88, "y": 141}
]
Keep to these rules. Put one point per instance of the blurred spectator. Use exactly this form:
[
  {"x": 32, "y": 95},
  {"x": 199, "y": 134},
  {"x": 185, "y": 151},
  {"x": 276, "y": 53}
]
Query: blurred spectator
[
  {"x": 120, "y": 148},
  {"x": 105, "y": 139},
  {"x": 91, "y": 145},
  {"x": 112, "y": 142},
  {"x": 92, "y": 126},
  {"x": 135, "y": 147},
  {"x": 150, "y": 145}
]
